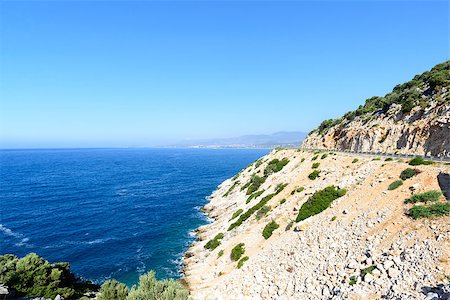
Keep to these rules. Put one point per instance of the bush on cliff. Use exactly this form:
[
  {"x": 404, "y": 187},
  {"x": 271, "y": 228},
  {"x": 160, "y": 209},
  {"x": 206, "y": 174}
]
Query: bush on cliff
[
  {"x": 319, "y": 201},
  {"x": 314, "y": 174},
  {"x": 434, "y": 210},
  {"x": 242, "y": 261},
  {"x": 416, "y": 161},
  {"x": 275, "y": 165},
  {"x": 254, "y": 195},
  {"x": 255, "y": 183},
  {"x": 395, "y": 185},
  {"x": 269, "y": 229},
  {"x": 237, "y": 252},
  {"x": 431, "y": 196},
  {"x": 34, "y": 276},
  {"x": 236, "y": 213},
  {"x": 151, "y": 288},
  {"x": 215, "y": 242},
  {"x": 408, "y": 173},
  {"x": 315, "y": 165},
  {"x": 113, "y": 290},
  {"x": 250, "y": 211}
]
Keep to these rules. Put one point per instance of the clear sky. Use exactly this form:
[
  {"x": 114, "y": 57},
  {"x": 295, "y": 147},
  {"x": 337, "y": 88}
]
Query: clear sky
[{"x": 141, "y": 73}]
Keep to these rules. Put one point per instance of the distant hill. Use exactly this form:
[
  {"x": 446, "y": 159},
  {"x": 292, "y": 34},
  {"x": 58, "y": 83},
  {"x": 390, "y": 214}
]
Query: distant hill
[
  {"x": 278, "y": 139},
  {"x": 412, "y": 119}
]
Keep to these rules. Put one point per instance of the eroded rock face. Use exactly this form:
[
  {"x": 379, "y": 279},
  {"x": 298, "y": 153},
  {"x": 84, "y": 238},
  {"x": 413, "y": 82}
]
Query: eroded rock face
[{"x": 419, "y": 132}]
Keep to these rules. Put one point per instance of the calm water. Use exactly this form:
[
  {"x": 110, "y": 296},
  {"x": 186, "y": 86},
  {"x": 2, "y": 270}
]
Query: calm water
[{"x": 110, "y": 212}]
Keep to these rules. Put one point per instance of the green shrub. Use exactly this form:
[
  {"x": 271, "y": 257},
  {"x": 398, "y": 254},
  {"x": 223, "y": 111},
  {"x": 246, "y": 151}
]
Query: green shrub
[
  {"x": 254, "y": 195},
  {"x": 388, "y": 159},
  {"x": 275, "y": 165},
  {"x": 355, "y": 160},
  {"x": 151, "y": 288},
  {"x": 242, "y": 261},
  {"x": 324, "y": 156},
  {"x": 315, "y": 165},
  {"x": 280, "y": 187},
  {"x": 416, "y": 161},
  {"x": 282, "y": 201},
  {"x": 408, "y": 173},
  {"x": 113, "y": 290},
  {"x": 258, "y": 163},
  {"x": 300, "y": 189},
  {"x": 314, "y": 174},
  {"x": 237, "y": 252},
  {"x": 262, "y": 212},
  {"x": 289, "y": 225},
  {"x": 431, "y": 196},
  {"x": 236, "y": 213},
  {"x": 367, "y": 270},
  {"x": 315, "y": 157},
  {"x": 255, "y": 183},
  {"x": 269, "y": 228},
  {"x": 34, "y": 276},
  {"x": 353, "y": 280},
  {"x": 220, "y": 253},
  {"x": 231, "y": 188},
  {"x": 215, "y": 242},
  {"x": 333, "y": 218},
  {"x": 319, "y": 201},
  {"x": 303, "y": 159},
  {"x": 250, "y": 211},
  {"x": 434, "y": 210},
  {"x": 377, "y": 158},
  {"x": 395, "y": 185}
]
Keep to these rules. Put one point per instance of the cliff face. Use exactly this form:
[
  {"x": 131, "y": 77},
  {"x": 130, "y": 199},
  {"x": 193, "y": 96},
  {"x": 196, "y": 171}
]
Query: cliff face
[
  {"x": 413, "y": 119},
  {"x": 421, "y": 132}
]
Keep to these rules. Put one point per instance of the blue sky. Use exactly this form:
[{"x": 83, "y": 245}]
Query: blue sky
[{"x": 142, "y": 73}]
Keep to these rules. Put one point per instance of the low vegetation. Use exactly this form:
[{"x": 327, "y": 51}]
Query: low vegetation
[
  {"x": 324, "y": 156},
  {"x": 269, "y": 229},
  {"x": 315, "y": 157},
  {"x": 236, "y": 213},
  {"x": 319, "y": 201},
  {"x": 151, "y": 288},
  {"x": 255, "y": 182},
  {"x": 389, "y": 159},
  {"x": 275, "y": 165},
  {"x": 416, "y": 161},
  {"x": 220, "y": 253},
  {"x": 395, "y": 185},
  {"x": 315, "y": 165},
  {"x": 282, "y": 201},
  {"x": 314, "y": 174},
  {"x": 237, "y": 252},
  {"x": 113, "y": 290},
  {"x": 254, "y": 195},
  {"x": 434, "y": 210},
  {"x": 262, "y": 212},
  {"x": 215, "y": 242},
  {"x": 353, "y": 280},
  {"x": 367, "y": 270},
  {"x": 409, "y": 173},
  {"x": 431, "y": 196},
  {"x": 242, "y": 261},
  {"x": 250, "y": 211},
  {"x": 355, "y": 160},
  {"x": 297, "y": 190},
  {"x": 236, "y": 183},
  {"x": 34, "y": 276},
  {"x": 280, "y": 187}
]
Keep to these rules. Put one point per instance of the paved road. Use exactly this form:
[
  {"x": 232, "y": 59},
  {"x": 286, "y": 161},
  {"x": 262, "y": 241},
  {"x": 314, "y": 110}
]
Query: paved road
[{"x": 384, "y": 155}]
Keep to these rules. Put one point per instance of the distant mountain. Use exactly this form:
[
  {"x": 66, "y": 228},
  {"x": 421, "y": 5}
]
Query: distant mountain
[{"x": 278, "y": 139}]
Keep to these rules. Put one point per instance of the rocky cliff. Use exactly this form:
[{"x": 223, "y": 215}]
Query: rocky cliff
[{"x": 413, "y": 119}]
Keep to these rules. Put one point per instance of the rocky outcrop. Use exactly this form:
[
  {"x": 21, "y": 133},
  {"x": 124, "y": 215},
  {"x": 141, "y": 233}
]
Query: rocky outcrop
[
  {"x": 419, "y": 132},
  {"x": 413, "y": 119}
]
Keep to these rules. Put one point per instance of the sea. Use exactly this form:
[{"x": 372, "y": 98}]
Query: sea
[{"x": 110, "y": 213}]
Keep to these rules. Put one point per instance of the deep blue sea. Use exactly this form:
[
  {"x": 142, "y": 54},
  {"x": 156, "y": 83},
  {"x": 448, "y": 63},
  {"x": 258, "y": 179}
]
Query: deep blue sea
[{"x": 111, "y": 213}]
